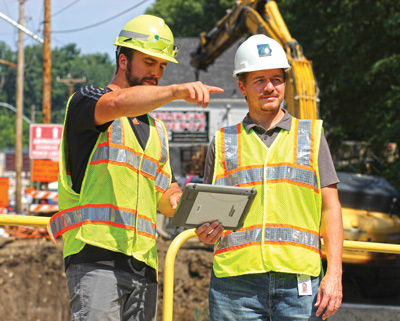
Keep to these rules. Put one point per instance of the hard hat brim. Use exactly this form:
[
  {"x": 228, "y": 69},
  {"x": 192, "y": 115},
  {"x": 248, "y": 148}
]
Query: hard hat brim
[
  {"x": 147, "y": 52},
  {"x": 250, "y": 69}
]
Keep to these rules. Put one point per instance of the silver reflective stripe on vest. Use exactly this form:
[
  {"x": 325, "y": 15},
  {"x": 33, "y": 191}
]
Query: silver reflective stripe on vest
[
  {"x": 304, "y": 142},
  {"x": 162, "y": 181},
  {"x": 100, "y": 214},
  {"x": 231, "y": 147},
  {"x": 253, "y": 176},
  {"x": 274, "y": 173},
  {"x": 272, "y": 234},
  {"x": 163, "y": 138},
  {"x": 116, "y": 132},
  {"x": 121, "y": 155},
  {"x": 116, "y": 154},
  {"x": 295, "y": 174},
  {"x": 149, "y": 167},
  {"x": 246, "y": 176}
]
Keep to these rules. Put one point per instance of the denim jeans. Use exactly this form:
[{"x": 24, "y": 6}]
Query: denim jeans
[
  {"x": 268, "y": 296},
  {"x": 99, "y": 292}
]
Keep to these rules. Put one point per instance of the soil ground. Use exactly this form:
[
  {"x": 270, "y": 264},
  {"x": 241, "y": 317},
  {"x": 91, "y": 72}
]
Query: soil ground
[{"x": 33, "y": 287}]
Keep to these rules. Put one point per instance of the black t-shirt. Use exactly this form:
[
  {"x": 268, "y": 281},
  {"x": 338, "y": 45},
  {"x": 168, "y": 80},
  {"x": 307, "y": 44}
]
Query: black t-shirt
[{"x": 82, "y": 134}]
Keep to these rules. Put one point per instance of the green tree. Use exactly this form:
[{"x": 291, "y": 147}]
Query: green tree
[
  {"x": 187, "y": 18},
  {"x": 96, "y": 68},
  {"x": 356, "y": 57}
]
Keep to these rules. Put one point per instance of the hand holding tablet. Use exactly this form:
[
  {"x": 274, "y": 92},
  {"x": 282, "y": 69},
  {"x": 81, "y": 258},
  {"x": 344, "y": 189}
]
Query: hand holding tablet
[{"x": 204, "y": 203}]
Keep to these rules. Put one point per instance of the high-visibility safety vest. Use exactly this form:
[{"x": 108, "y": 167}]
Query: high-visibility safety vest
[
  {"x": 117, "y": 206},
  {"x": 281, "y": 230}
]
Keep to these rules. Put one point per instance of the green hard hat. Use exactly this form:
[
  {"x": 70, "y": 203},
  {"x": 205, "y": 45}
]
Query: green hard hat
[{"x": 150, "y": 35}]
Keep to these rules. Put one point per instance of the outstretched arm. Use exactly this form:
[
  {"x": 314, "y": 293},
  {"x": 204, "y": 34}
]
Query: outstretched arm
[{"x": 138, "y": 100}]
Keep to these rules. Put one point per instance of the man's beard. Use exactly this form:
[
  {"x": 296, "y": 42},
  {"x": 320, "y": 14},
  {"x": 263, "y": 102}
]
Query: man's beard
[{"x": 136, "y": 81}]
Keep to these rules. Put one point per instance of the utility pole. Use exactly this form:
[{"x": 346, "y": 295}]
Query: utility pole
[
  {"x": 19, "y": 106},
  {"x": 33, "y": 113},
  {"x": 70, "y": 82},
  {"x": 46, "y": 102}
]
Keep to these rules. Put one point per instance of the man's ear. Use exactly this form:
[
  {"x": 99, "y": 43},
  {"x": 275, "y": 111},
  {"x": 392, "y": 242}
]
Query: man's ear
[
  {"x": 123, "y": 62},
  {"x": 241, "y": 88}
]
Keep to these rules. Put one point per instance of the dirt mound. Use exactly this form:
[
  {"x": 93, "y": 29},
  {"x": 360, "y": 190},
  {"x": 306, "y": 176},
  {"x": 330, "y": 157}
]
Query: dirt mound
[
  {"x": 33, "y": 285},
  {"x": 32, "y": 281}
]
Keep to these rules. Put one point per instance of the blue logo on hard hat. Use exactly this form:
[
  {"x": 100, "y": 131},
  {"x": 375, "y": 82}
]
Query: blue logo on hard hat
[{"x": 264, "y": 50}]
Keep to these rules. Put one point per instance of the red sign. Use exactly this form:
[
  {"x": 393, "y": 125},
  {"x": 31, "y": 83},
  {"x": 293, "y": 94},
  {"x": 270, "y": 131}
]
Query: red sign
[
  {"x": 44, "y": 170},
  {"x": 184, "y": 126},
  {"x": 44, "y": 141}
]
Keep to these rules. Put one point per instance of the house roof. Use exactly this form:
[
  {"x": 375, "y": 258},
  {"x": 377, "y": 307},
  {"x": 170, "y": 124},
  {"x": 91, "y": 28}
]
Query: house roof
[{"x": 218, "y": 74}]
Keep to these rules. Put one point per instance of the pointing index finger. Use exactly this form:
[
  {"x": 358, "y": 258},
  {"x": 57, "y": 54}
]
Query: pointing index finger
[{"x": 214, "y": 89}]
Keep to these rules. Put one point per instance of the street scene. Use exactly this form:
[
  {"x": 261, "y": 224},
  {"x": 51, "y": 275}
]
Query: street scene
[{"x": 278, "y": 120}]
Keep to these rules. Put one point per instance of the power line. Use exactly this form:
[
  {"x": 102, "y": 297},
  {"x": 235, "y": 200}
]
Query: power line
[
  {"x": 63, "y": 9},
  {"x": 104, "y": 21}
]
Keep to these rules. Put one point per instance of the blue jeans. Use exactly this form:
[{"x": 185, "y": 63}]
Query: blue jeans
[
  {"x": 99, "y": 292},
  {"x": 268, "y": 296}
]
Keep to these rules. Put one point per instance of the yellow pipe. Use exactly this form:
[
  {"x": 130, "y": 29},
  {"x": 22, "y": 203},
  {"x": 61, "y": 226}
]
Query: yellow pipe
[
  {"x": 37, "y": 221},
  {"x": 372, "y": 246},
  {"x": 23, "y": 220},
  {"x": 168, "y": 300}
]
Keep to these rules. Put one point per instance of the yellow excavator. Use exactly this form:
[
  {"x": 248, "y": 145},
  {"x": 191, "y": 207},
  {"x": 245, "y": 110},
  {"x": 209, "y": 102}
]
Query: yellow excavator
[
  {"x": 261, "y": 16},
  {"x": 362, "y": 221}
]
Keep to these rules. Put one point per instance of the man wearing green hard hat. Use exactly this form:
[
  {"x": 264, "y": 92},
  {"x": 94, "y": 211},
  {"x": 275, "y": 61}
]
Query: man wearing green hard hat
[{"x": 115, "y": 174}]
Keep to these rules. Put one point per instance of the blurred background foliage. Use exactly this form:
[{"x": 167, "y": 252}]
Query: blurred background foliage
[{"x": 353, "y": 45}]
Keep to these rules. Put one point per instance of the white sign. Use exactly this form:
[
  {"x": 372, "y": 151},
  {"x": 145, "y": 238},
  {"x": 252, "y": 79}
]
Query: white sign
[{"x": 45, "y": 141}]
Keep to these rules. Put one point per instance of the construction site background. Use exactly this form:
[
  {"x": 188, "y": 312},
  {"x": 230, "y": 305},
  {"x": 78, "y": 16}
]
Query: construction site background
[{"x": 33, "y": 285}]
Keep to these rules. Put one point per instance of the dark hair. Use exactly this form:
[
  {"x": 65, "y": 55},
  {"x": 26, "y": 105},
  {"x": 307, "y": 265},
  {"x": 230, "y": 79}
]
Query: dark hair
[
  {"x": 128, "y": 52},
  {"x": 243, "y": 76}
]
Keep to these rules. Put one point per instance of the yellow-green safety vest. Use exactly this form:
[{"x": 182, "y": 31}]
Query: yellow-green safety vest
[
  {"x": 117, "y": 206},
  {"x": 281, "y": 230}
]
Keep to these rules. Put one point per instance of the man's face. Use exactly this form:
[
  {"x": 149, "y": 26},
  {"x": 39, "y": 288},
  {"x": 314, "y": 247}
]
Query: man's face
[
  {"x": 264, "y": 90},
  {"x": 144, "y": 69}
]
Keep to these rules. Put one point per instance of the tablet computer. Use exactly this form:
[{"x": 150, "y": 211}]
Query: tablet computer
[{"x": 202, "y": 203}]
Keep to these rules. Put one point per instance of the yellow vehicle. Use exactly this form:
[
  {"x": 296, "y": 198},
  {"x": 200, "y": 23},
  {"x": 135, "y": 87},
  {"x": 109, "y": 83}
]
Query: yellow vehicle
[
  {"x": 262, "y": 16},
  {"x": 361, "y": 223}
]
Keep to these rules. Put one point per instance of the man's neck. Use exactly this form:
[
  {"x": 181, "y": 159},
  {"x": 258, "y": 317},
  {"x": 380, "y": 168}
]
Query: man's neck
[
  {"x": 118, "y": 82},
  {"x": 267, "y": 120}
]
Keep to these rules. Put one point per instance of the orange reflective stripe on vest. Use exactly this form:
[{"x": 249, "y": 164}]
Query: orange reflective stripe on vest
[
  {"x": 115, "y": 151},
  {"x": 281, "y": 230},
  {"x": 100, "y": 213}
]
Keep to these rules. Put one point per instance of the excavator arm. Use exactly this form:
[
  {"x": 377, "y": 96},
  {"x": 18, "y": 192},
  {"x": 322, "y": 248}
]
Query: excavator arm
[{"x": 263, "y": 16}]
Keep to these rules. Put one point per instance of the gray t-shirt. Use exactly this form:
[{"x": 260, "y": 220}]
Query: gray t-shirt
[{"x": 326, "y": 168}]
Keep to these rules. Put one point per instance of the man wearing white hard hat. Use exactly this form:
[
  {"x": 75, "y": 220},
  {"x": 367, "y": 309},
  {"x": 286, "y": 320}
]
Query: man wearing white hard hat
[{"x": 271, "y": 268}]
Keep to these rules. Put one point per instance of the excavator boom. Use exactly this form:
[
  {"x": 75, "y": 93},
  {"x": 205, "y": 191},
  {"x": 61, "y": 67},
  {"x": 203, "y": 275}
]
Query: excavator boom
[{"x": 263, "y": 16}]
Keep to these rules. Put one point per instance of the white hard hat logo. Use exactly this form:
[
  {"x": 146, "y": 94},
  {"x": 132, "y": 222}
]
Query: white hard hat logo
[
  {"x": 264, "y": 50},
  {"x": 259, "y": 52}
]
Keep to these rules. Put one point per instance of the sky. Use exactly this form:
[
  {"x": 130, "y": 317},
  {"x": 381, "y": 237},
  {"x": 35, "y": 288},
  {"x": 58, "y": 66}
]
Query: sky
[{"x": 99, "y": 21}]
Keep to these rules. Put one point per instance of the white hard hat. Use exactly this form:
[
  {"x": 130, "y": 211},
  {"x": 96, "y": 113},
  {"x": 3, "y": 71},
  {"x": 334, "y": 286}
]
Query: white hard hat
[{"x": 259, "y": 52}]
